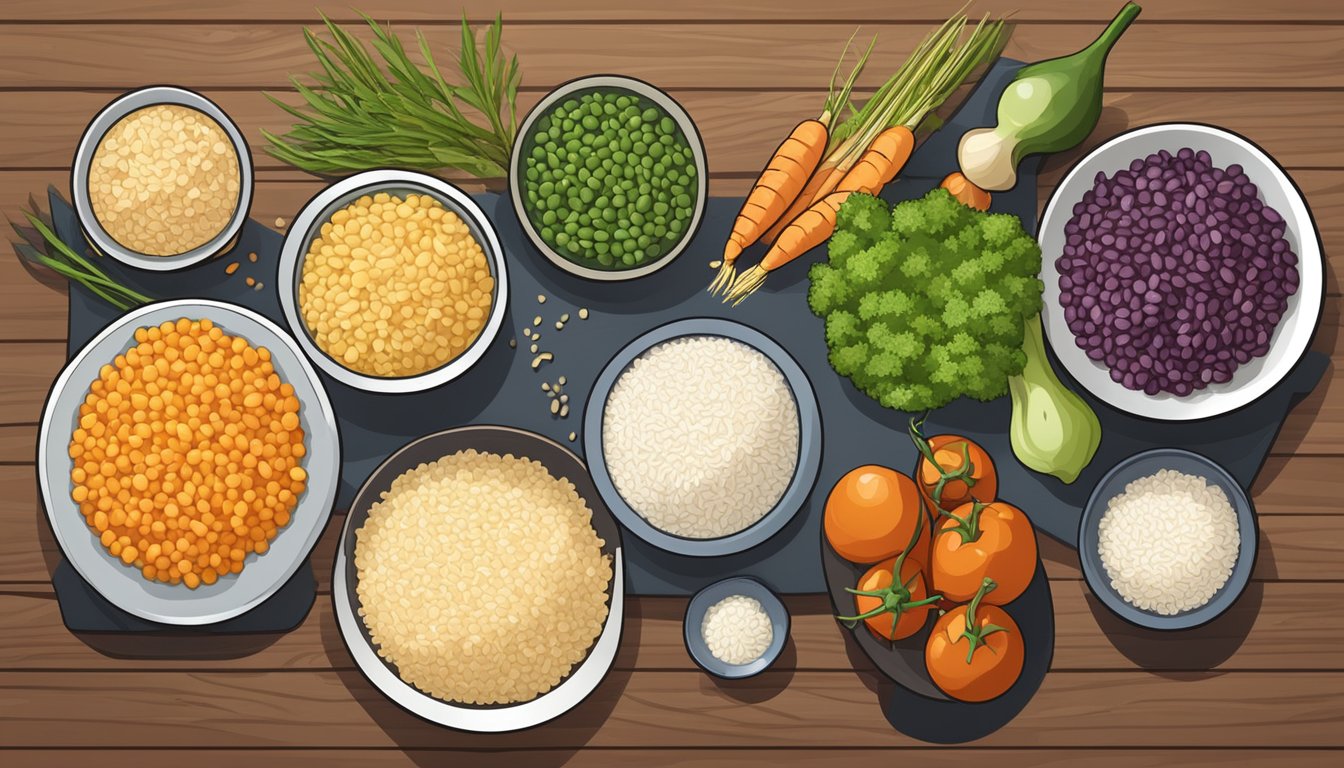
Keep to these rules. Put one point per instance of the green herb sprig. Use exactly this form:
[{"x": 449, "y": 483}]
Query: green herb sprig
[
  {"x": 40, "y": 246},
  {"x": 360, "y": 115}
]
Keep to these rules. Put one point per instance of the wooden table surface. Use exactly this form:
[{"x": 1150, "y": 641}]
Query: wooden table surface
[{"x": 1265, "y": 682}]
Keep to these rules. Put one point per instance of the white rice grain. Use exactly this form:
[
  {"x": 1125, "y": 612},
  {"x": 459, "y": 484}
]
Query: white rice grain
[
  {"x": 701, "y": 435},
  {"x": 1169, "y": 541}
]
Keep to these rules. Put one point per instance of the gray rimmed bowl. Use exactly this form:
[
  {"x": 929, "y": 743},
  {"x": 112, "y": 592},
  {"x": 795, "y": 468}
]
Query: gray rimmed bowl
[
  {"x": 809, "y": 439},
  {"x": 525, "y": 141},
  {"x": 693, "y": 626},
  {"x": 233, "y": 594},
  {"x": 1113, "y": 484},
  {"x": 93, "y": 136},
  {"x": 318, "y": 211},
  {"x": 581, "y": 681}
]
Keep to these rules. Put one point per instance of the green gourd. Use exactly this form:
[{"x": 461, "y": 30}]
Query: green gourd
[
  {"x": 1050, "y": 106},
  {"x": 1052, "y": 430}
]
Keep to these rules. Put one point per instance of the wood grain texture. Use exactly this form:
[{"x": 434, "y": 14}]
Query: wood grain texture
[
  {"x": 780, "y": 55},
  {"x": 40, "y": 129},
  {"x": 650, "y": 709},
  {"x": 514, "y": 11},
  {"x": 676, "y": 757},
  {"x": 1262, "y": 632}
]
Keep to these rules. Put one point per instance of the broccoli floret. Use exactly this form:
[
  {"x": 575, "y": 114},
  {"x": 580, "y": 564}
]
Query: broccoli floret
[
  {"x": 926, "y": 302},
  {"x": 867, "y": 217}
]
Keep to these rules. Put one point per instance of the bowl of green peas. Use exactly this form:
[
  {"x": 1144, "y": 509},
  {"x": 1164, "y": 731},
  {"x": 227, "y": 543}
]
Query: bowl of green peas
[{"x": 608, "y": 177}]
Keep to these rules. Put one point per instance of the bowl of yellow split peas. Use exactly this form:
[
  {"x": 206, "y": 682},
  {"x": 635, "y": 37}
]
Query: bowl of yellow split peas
[
  {"x": 188, "y": 459},
  {"x": 393, "y": 281}
]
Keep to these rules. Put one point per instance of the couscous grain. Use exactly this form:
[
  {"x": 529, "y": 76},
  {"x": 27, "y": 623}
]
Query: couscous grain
[{"x": 164, "y": 180}]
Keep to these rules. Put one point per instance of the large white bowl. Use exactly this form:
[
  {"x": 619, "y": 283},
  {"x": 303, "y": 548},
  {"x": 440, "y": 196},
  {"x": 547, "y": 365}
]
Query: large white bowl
[
  {"x": 1294, "y": 332},
  {"x": 319, "y": 210},
  {"x": 262, "y": 575}
]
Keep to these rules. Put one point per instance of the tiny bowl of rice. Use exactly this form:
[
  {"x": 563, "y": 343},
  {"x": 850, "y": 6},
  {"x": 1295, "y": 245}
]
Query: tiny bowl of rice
[
  {"x": 479, "y": 582},
  {"x": 703, "y": 437},
  {"x": 393, "y": 281},
  {"x": 735, "y": 628},
  {"x": 162, "y": 179},
  {"x": 1168, "y": 539}
]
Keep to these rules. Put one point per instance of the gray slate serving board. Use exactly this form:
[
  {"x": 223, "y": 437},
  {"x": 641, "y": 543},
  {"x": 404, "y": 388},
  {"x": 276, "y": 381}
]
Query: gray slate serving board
[{"x": 503, "y": 389}]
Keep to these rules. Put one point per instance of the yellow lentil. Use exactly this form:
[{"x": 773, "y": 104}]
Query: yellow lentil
[{"x": 395, "y": 287}]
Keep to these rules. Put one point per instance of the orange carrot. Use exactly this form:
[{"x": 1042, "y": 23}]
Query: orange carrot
[
  {"x": 804, "y": 233},
  {"x": 789, "y": 168},
  {"x": 965, "y": 192},
  {"x": 880, "y": 162},
  {"x": 822, "y": 183}
]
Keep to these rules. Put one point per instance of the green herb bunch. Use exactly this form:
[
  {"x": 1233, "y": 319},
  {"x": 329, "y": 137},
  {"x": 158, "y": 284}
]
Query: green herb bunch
[{"x": 360, "y": 115}]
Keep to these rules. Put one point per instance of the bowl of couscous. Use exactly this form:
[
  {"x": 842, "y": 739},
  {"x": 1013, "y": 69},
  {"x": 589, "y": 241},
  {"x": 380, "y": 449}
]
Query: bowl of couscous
[
  {"x": 188, "y": 459},
  {"x": 516, "y": 618},
  {"x": 393, "y": 281},
  {"x": 162, "y": 179}
]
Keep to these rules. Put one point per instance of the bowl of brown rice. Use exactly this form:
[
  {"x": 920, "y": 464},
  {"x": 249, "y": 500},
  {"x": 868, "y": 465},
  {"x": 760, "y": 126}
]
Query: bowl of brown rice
[
  {"x": 393, "y": 281},
  {"x": 162, "y": 179},
  {"x": 479, "y": 582}
]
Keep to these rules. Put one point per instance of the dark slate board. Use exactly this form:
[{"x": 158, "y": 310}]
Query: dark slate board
[{"x": 502, "y": 388}]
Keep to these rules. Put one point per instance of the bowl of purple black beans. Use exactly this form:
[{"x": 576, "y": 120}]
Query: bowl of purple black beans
[{"x": 1183, "y": 272}]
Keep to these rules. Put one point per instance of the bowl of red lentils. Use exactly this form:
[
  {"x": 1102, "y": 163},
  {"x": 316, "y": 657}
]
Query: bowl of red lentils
[
  {"x": 188, "y": 459},
  {"x": 162, "y": 179},
  {"x": 393, "y": 281}
]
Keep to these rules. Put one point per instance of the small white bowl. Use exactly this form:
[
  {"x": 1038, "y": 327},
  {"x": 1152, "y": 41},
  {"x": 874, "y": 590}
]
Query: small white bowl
[
  {"x": 319, "y": 210},
  {"x": 93, "y": 136},
  {"x": 673, "y": 110},
  {"x": 234, "y": 594},
  {"x": 1291, "y": 337}
]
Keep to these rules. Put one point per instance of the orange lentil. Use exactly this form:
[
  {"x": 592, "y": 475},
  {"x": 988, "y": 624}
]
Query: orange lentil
[{"x": 168, "y": 435}]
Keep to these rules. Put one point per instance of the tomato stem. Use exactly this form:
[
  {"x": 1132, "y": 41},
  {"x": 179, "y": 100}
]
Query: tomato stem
[
  {"x": 976, "y": 635},
  {"x": 967, "y": 527},
  {"x": 895, "y": 598},
  {"x": 965, "y": 473}
]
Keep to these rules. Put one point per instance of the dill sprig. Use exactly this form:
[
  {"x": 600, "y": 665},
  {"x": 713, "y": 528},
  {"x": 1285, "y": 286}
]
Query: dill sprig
[{"x": 360, "y": 114}]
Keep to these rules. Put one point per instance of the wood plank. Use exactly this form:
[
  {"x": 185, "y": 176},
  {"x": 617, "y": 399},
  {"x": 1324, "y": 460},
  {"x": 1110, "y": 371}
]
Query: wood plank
[
  {"x": 674, "y": 757},
  {"x": 656, "y": 709},
  {"x": 515, "y": 11},
  {"x": 787, "y": 55},
  {"x": 40, "y": 129},
  {"x": 1264, "y": 631}
]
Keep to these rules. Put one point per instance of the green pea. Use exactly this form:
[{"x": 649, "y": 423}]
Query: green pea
[
  {"x": 604, "y": 259},
  {"x": 548, "y": 217},
  {"x": 657, "y": 151},
  {"x": 573, "y": 246},
  {"x": 601, "y": 236},
  {"x": 636, "y": 218},
  {"x": 643, "y": 203},
  {"x": 601, "y": 248},
  {"x": 660, "y": 208},
  {"x": 675, "y": 226},
  {"x": 619, "y": 201},
  {"x": 683, "y": 200},
  {"x": 609, "y": 215},
  {"x": 650, "y": 115},
  {"x": 629, "y": 258},
  {"x": 553, "y": 201},
  {"x": 591, "y": 162},
  {"x": 643, "y": 241},
  {"x": 547, "y": 234},
  {"x": 590, "y": 122},
  {"x": 561, "y": 238},
  {"x": 586, "y": 195},
  {"x": 571, "y": 227},
  {"x": 617, "y": 250},
  {"x": 626, "y": 144}
]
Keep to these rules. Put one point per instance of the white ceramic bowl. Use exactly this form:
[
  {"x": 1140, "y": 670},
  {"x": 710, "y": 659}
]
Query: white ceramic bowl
[
  {"x": 88, "y": 144},
  {"x": 667, "y": 104},
  {"x": 262, "y": 575},
  {"x": 319, "y": 210},
  {"x": 1291, "y": 337}
]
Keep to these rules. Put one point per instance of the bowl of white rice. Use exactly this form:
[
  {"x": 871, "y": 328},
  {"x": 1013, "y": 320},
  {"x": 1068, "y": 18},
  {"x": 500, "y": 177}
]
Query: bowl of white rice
[
  {"x": 1168, "y": 539},
  {"x": 735, "y": 628},
  {"x": 479, "y": 582},
  {"x": 703, "y": 437}
]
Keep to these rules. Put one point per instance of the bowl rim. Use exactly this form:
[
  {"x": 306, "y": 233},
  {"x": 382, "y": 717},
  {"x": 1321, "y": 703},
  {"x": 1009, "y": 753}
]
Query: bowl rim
[
  {"x": 294, "y": 250},
  {"x": 668, "y": 104},
  {"x": 110, "y": 115},
  {"x": 1307, "y": 304},
  {"x": 809, "y": 438},
  {"x": 583, "y": 679},
  {"x": 707, "y": 597},
  {"x": 1248, "y": 525},
  {"x": 319, "y": 421}
]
